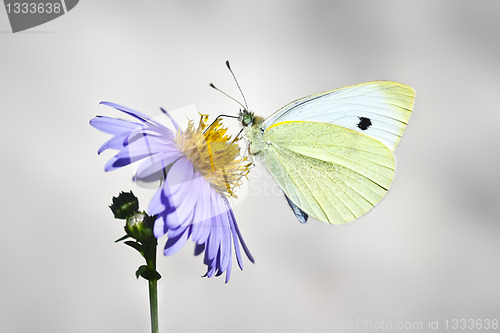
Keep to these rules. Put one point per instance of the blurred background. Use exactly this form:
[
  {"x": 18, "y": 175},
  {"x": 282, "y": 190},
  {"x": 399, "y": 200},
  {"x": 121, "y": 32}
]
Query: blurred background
[{"x": 428, "y": 253}]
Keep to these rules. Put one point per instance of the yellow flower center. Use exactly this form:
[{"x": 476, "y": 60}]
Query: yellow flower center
[{"x": 214, "y": 155}]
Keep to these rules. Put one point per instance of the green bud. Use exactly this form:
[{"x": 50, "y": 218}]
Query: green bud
[
  {"x": 125, "y": 205},
  {"x": 140, "y": 226}
]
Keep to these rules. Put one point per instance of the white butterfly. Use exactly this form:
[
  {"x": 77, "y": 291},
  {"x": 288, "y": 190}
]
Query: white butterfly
[{"x": 332, "y": 153}]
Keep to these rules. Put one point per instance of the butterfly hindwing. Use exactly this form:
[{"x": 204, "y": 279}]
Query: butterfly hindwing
[{"x": 330, "y": 172}]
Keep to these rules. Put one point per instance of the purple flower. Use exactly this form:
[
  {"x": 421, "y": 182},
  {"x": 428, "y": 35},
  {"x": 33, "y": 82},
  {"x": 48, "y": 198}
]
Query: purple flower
[{"x": 199, "y": 168}]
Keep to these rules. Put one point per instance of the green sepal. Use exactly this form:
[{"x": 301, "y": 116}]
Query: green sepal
[
  {"x": 122, "y": 238},
  {"x": 147, "y": 273},
  {"x": 136, "y": 246}
]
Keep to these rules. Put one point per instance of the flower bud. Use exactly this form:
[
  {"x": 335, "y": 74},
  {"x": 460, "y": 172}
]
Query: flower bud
[
  {"x": 125, "y": 205},
  {"x": 140, "y": 226}
]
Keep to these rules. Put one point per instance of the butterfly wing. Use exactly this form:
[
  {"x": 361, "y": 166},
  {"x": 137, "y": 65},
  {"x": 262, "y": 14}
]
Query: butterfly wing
[
  {"x": 299, "y": 213},
  {"x": 332, "y": 173},
  {"x": 379, "y": 109}
]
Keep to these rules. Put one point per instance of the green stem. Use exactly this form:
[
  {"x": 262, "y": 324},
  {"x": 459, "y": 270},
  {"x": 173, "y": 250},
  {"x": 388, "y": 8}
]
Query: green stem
[
  {"x": 153, "y": 306},
  {"x": 153, "y": 290}
]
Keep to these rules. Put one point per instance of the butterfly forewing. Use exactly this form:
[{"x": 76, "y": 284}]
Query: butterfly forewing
[{"x": 379, "y": 109}]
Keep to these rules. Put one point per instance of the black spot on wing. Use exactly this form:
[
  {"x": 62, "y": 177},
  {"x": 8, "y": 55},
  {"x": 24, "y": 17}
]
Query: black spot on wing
[
  {"x": 364, "y": 123},
  {"x": 299, "y": 213}
]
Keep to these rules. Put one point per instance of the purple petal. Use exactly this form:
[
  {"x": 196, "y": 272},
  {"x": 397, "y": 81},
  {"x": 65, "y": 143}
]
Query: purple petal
[
  {"x": 202, "y": 215},
  {"x": 224, "y": 233},
  {"x": 155, "y": 133},
  {"x": 204, "y": 229},
  {"x": 147, "y": 143},
  {"x": 112, "y": 125},
  {"x": 174, "y": 233},
  {"x": 174, "y": 244},
  {"x": 123, "y": 158},
  {"x": 160, "y": 201},
  {"x": 156, "y": 164},
  {"x": 180, "y": 174},
  {"x": 234, "y": 226},
  {"x": 190, "y": 196},
  {"x": 116, "y": 142},
  {"x": 129, "y": 111},
  {"x": 172, "y": 120},
  {"x": 136, "y": 114},
  {"x": 160, "y": 206},
  {"x": 181, "y": 183},
  {"x": 225, "y": 245},
  {"x": 160, "y": 226},
  {"x": 198, "y": 249},
  {"x": 228, "y": 271},
  {"x": 211, "y": 271},
  {"x": 236, "y": 244},
  {"x": 136, "y": 151},
  {"x": 213, "y": 239}
]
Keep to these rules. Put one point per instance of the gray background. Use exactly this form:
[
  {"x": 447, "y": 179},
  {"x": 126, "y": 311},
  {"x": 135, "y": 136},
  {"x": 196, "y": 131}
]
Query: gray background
[{"x": 429, "y": 251}]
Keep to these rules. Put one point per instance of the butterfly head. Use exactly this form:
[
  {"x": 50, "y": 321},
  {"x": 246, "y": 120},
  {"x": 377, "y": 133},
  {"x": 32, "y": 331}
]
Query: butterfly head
[{"x": 247, "y": 118}]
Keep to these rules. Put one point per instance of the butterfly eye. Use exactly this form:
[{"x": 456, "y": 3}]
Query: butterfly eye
[{"x": 247, "y": 121}]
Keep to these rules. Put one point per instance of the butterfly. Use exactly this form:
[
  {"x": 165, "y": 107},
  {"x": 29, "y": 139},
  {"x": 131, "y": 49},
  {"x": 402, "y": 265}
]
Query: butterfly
[{"x": 332, "y": 153}]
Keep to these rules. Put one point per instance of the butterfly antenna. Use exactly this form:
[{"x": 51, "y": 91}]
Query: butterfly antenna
[
  {"x": 234, "y": 99},
  {"x": 237, "y": 84}
]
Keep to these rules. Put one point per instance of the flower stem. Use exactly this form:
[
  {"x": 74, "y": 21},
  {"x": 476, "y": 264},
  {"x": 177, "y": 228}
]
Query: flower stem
[
  {"x": 139, "y": 226},
  {"x": 153, "y": 306},
  {"x": 153, "y": 290}
]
